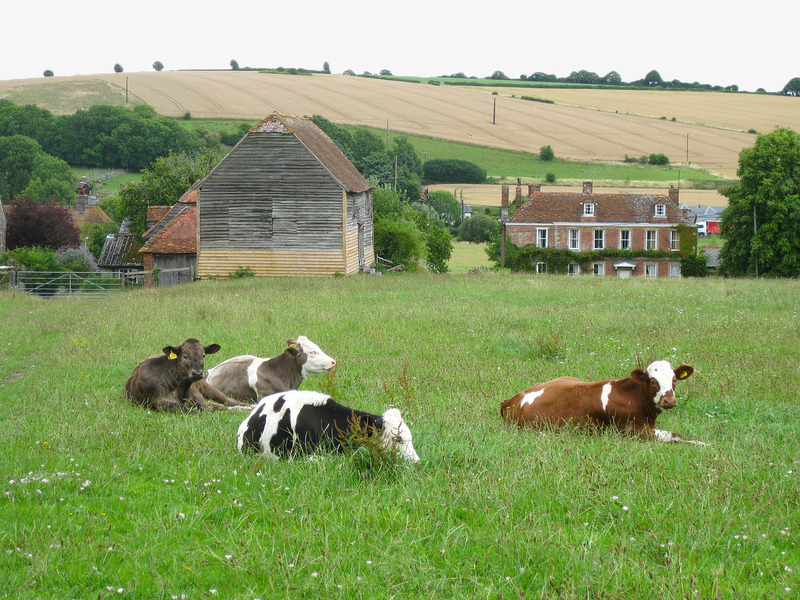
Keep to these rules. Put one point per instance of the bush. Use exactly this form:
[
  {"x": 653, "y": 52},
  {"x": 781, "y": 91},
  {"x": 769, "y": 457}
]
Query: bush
[
  {"x": 441, "y": 170},
  {"x": 76, "y": 259},
  {"x": 230, "y": 138},
  {"x": 117, "y": 68},
  {"x": 242, "y": 273},
  {"x": 550, "y": 178},
  {"x": 48, "y": 73},
  {"x": 546, "y": 153},
  {"x": 399, "y": 242},
  {"x": 478, "y": 228},
  {"x": 439, "y": 244},
  {"x": 694, "y": 265},
  {"x": 658, "y": 159},
  {"x": 31, "y": 258}
]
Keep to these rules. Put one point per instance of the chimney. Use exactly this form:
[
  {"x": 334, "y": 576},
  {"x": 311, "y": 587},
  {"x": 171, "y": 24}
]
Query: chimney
[
  {"x": 504, "y": 202},
  {"x": 518, "y": 197},
  {"x": 587, "y": 187},
  {"x": 534, "y": 188},
  {"x": 80, "y": 204},
  {"x": 674, "y": 194}
]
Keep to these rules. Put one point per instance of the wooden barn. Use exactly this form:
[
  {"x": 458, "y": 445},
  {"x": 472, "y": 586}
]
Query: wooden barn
[{"x": 285, "y": 201}]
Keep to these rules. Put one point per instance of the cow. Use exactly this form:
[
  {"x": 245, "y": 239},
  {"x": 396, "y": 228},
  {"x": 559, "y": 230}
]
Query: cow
[
  {"x": 298, "y": 422},
  {"x": 631, "y": 404},
  {"x": 248, "y": 378},
  {"x": 173, "y": 381}
]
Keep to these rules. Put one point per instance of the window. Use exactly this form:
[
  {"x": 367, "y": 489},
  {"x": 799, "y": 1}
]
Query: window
[
  {"x": 674, "y": 240},
  {"x": 573, "y": 269},
  {"x": 651, "y": 239},
  {"x": 574, "y": 239},
  {"x": 624, "y": 239},
  {"x": 660, "y": 210},
  {"x": 674, "y": 269},
  {"x": 599, "y": 269},
  {"x": 588, "y": 209},
  {"x": 651, "y": 270},
  {"x": 599, "y": 239},
  {"x": 541, "y": 237},
  {"x": 541, "y": 267}
]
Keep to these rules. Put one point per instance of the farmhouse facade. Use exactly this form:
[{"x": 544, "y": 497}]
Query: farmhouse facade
[
  {"x": 610, "y": 234},
  {"x": 285, "y": 201}
]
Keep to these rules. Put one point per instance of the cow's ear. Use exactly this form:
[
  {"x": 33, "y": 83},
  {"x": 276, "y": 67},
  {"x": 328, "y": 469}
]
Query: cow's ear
[
  {"x": 172, "y": 352},
  {"x": 683, "y": 372},
  {"x": 212, "y": 349},
  {"x": 291, "y": 343},
  {"x": 293, "y": 350},
  {"x": 640, "y": 375}
]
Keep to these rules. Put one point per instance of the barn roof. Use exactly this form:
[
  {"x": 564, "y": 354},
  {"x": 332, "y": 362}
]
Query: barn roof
[
  {"x": 567, "y": 207},
  {"x": 93, "y": 214},
  {"x": 320, "y": 145},
  {"x": 179, "y": 236}
]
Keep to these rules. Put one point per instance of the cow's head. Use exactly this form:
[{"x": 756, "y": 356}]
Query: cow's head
[
  {"x": 396, "y": 434},
  {"x": 191, "y": 355},
  {"x": 660, "y": 378},
  {"x": 317, "y": 361}
]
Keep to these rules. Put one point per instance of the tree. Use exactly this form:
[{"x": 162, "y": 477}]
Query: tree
[
  {"x": 385, "y": 72},
  {"x": 47, "y": 73},
  {"x": 792, "y": 88},
  {"x": 498, "y": 75},
  {"x": 46, "y": 225},
  {"x": 326, "y": 68},
  {"x": 761, "y": 225},
  {"x": 234, "y": 65},
  {"x": 478, "y": 228},
  {"x": 446, "y": 206},
  {"x": 653, "y": 78},
  {"x": 51, "y": 179},
  {"x": 546, "y": 153},
  {"x": 612, "y": 78},
  {"x": 117, "y": 68},
  {"x": 18, "y": 154},
  {"x": 158, "y": 65}
]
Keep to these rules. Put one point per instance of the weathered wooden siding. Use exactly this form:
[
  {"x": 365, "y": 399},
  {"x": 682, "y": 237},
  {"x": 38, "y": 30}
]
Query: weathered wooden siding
[
  {"x": 273, "y": 263},
  {"x": 270, "y": 193}
]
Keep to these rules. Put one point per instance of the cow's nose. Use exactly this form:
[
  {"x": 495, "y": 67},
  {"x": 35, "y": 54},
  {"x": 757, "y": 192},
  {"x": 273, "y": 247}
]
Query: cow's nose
[{"x": 668, "y": 401}]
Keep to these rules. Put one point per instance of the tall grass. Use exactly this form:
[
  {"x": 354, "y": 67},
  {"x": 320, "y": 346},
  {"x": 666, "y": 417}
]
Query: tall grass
[{"x": 99, "y": 498}]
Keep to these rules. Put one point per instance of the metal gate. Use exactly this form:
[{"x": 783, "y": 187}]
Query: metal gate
[{"x": 66, "y": 284}]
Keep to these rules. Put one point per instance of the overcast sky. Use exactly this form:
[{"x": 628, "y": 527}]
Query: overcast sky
[{"x": 750, "y": 44}]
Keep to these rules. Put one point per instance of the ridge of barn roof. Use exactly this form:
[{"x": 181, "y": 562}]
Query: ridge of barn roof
[
  {"x": 320, "y": 145},
  {"x": 554, "y": 207}
]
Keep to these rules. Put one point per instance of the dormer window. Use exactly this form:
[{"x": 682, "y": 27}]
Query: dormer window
[
  {"x": 588, "y": 209},
  {"x": 660, "y": 210}
]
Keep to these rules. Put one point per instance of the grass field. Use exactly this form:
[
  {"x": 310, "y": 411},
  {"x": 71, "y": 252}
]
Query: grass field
[
  {"x": 103, "y": 499},
  {"x": 582, "y": 130}
]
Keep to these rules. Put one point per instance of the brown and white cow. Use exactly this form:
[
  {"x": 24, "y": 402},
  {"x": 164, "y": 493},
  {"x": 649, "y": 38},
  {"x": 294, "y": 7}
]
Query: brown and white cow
[
  {"x": 173, "y": 381},
  {"x": 249, "y": 378},
  {"x": 631, "y": 404}
]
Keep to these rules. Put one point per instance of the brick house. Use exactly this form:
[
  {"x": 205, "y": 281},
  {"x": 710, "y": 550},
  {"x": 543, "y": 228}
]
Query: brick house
[{"x": 610, "y": 234}]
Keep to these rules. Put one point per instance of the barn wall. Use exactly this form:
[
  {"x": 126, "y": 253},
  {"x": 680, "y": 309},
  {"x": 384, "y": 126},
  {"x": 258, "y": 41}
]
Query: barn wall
[
  {"x": 270, "y": 193},
  {"x": 273, "y": 263}
]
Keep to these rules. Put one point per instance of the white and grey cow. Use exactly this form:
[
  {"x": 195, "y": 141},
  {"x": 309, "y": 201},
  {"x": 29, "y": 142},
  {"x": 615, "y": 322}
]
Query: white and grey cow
[
  {"x": 249, "y": 378},
  {"x": 299, "y": 422}
]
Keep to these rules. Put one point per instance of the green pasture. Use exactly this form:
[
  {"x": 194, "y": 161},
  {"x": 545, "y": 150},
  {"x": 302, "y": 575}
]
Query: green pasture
[{"x": 102, "y": 499}]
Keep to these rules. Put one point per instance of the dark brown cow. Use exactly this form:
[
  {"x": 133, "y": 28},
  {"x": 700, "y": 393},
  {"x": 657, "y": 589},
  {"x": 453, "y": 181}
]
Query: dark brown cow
[
  {"x": 631, "y": 404},
  {"x": 173, "y": 381}
]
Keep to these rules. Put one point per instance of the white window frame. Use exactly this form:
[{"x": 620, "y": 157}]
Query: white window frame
[
  {"x": 651, "y": 239},
  {"x": 651, "y": 269},
  {"x": 660, "y": 210},
  {"x": 674, "y": 240},
  {"x": 541, "y": 240},
  {"x": 599, "y": 269},
  {"x": 541, "y": 268},
  {"x": 675, "y": 270},
  {"x": 602, "y": 239},
  {"x": 588, "y": 209},
  {"x": 573, "y": 269},
  {"x": 574, "y": 239},
  {"x": 627, "y": 246}
]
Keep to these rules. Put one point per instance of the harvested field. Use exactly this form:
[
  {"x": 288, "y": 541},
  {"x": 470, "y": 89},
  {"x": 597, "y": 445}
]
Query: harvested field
[{"x": 470, "y": 115}]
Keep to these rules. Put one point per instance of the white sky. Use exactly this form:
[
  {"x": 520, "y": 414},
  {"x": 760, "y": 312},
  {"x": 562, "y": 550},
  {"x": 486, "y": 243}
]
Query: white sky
[{"x": 751, "y": 44}]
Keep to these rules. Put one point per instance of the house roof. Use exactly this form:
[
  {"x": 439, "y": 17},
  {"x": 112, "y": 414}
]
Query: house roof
[
  {"x": 189, "y": 198},
  {"x": 93, "y": 214},
  {"x": 179, "y": 236},
  {"x": 120, "y": 250},
  {"x": 320, "y": 145},
  {"x": 156, "y": 213},
  {"x": 702, "y": 213},
  {"x": 567, "y": 207}
]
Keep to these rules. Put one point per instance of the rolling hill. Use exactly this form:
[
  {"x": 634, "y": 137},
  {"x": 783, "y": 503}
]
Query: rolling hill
[{"x": 704, "y": 129}]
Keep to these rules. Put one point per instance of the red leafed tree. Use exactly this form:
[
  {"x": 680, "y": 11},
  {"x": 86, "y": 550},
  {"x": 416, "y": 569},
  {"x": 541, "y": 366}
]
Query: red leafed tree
[{"x": 47, "y": 225}]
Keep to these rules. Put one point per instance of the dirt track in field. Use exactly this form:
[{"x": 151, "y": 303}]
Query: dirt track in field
[{"x": 585, "y": 130}]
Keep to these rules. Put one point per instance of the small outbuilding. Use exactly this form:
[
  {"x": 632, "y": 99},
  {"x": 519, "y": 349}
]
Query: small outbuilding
[{"x": 285, "y": 201}]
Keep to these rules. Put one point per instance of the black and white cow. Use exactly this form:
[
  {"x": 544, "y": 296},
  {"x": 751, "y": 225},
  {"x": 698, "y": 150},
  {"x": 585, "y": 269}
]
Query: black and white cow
[
  {"x": 248, "y": 378},
  {"x": 299, "y": 422}
]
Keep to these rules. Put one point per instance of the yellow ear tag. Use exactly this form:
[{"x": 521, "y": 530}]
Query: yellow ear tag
[
  {"x": 172, "y": 355},
  {"x": 292, "y": 345},
  {"x": 683, "y": 375}
]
